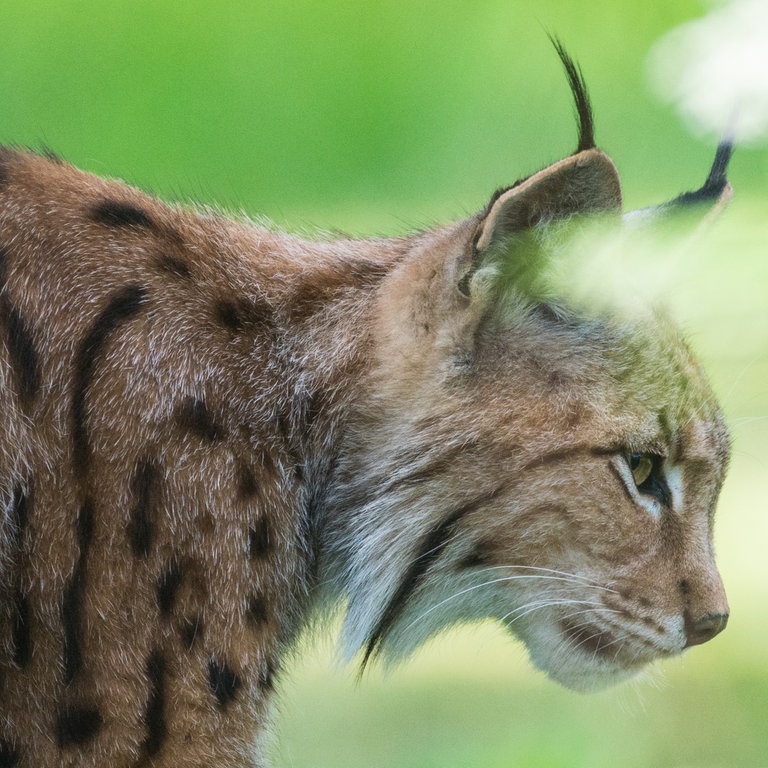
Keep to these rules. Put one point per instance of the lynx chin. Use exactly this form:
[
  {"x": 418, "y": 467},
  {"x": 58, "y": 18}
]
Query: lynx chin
[{"x": 212, "y": 432}]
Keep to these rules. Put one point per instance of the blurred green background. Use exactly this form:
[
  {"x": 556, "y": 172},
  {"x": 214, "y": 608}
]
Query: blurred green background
[{"x": 378, "y": 118}]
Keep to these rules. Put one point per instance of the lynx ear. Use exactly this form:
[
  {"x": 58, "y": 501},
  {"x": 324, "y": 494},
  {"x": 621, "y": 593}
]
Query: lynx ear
[
  {"x": 711, "y": 197},
  {"x": 586, "y": 182},
  {"x": 582, "y": 183}
]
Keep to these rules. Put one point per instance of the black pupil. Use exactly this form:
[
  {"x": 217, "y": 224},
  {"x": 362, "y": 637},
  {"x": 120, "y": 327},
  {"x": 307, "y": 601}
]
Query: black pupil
[{"x": 656, "y": 483}]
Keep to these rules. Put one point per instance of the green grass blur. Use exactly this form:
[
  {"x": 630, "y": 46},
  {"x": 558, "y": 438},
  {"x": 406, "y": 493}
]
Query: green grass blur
[{"x": 388, "y": 116}]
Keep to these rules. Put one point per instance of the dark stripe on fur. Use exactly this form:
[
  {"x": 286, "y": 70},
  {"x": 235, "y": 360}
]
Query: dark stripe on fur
[
  {"x": 21, "y": 349},
  {"x": 154, "y": 718},
  {"x": 19, "y": 514},
  {"x": 121, "y": 307},
  {"x": 77, "y": 725},
  {"x": 9, "y": 754},
  {"x": 167, "y": 587},
  {"x": 223, "y": 681},
  {"x": 116, "y": 213},
  {"x": 580, "y": 97},
  {"x": 429, "y": 551},
  {"x": 141, "y": 525},
  {"x": 22, "y": 637},
  {"x": 74, "y": 596}
]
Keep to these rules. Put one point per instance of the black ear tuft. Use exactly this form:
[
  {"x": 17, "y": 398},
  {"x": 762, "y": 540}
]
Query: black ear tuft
[
  {"x": 711, "y": 196},
  {"x": 716, "y": 181},
  {"x": 580, "y": 97}
]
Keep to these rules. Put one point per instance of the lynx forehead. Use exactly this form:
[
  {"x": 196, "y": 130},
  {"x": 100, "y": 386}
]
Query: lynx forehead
[{"x": 211, "y": 431}]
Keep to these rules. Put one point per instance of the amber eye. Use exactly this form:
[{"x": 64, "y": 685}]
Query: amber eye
[
  {"x": 641, "y": 465},
  {"x": 648, "y": 473}
]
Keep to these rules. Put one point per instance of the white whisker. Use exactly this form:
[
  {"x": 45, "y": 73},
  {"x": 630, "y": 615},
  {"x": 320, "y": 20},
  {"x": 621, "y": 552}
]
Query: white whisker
[
  {"x": 548, "y": 575},
  {"x": 528, "y": 608},
  {"x": 572, "y": 576}
]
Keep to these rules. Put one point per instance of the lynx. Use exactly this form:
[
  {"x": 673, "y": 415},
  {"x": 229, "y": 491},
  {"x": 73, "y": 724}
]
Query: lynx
[{"x": 213, "y": 432}]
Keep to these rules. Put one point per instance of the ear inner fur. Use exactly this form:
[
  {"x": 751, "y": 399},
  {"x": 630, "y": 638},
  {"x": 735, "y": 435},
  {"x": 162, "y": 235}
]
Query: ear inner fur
[{"x": 586, "y": 182}]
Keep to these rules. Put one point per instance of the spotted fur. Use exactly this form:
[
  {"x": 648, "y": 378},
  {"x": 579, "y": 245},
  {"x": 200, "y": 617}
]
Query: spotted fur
[{"x": 211, "y": 431}]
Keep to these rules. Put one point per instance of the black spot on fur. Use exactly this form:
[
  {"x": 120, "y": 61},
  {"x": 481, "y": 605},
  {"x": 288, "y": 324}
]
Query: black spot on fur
[
  {"x": 116, "y": 213},
  {"x": 167, "y": 587},
  {"x": 77, "y": 725},
  {"x": 238, "y": 315},
  {"x": 259, "y": 539},
  {"x": 22, "y": 637},
  {"x": 257, "y": 611},
  {"x": 247, "y": 487},
  {"x": 154, "y": 718},
  {"x": 74, "y": 596},
  {"x": 193, "y": 416},
  {"x": 175, "y": 266},
  {"x": 190, "y": 629},
  {"x": 223, "y": 681},
  {"x": 21, "y": 349},
  {"x": 229, "y": 315},
  {"x": 9, "y": 754},
  {"x": 141, "y": 525},
  {"x": 121, "y": 307}
]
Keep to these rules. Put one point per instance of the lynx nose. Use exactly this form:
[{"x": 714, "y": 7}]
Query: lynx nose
[{"x": 704, "y": 628}]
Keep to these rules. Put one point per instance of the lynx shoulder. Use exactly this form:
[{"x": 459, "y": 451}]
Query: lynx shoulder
[{"x": 211, "y": 431}]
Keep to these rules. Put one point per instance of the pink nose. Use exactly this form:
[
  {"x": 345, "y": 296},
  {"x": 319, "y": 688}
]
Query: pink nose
[{"x": 704, "y": 628}]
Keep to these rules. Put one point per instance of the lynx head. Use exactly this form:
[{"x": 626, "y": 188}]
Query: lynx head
[{"x": 513, "y": 457}]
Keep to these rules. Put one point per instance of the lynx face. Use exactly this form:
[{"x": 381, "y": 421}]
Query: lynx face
[
  {"x": 510, "y": 457},
  {"x": 590, "y": 539}
]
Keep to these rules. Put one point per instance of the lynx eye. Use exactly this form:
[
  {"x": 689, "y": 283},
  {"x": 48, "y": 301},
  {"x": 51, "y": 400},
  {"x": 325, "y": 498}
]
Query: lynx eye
[
  {"x": 648, "y": 474},
  {"x": 641, "y": 466}
]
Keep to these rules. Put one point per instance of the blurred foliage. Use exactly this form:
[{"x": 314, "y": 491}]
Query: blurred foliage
[
  {"x": 360, "y": 115},
  {"x": 387, "y": 116}
]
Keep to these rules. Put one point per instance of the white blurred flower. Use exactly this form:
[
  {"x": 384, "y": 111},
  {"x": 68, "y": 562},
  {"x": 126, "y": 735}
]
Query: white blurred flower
[{"x": 715, "y": 70}]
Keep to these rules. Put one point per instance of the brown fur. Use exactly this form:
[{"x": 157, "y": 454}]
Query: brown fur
[{"x": 210, "y": 429}]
